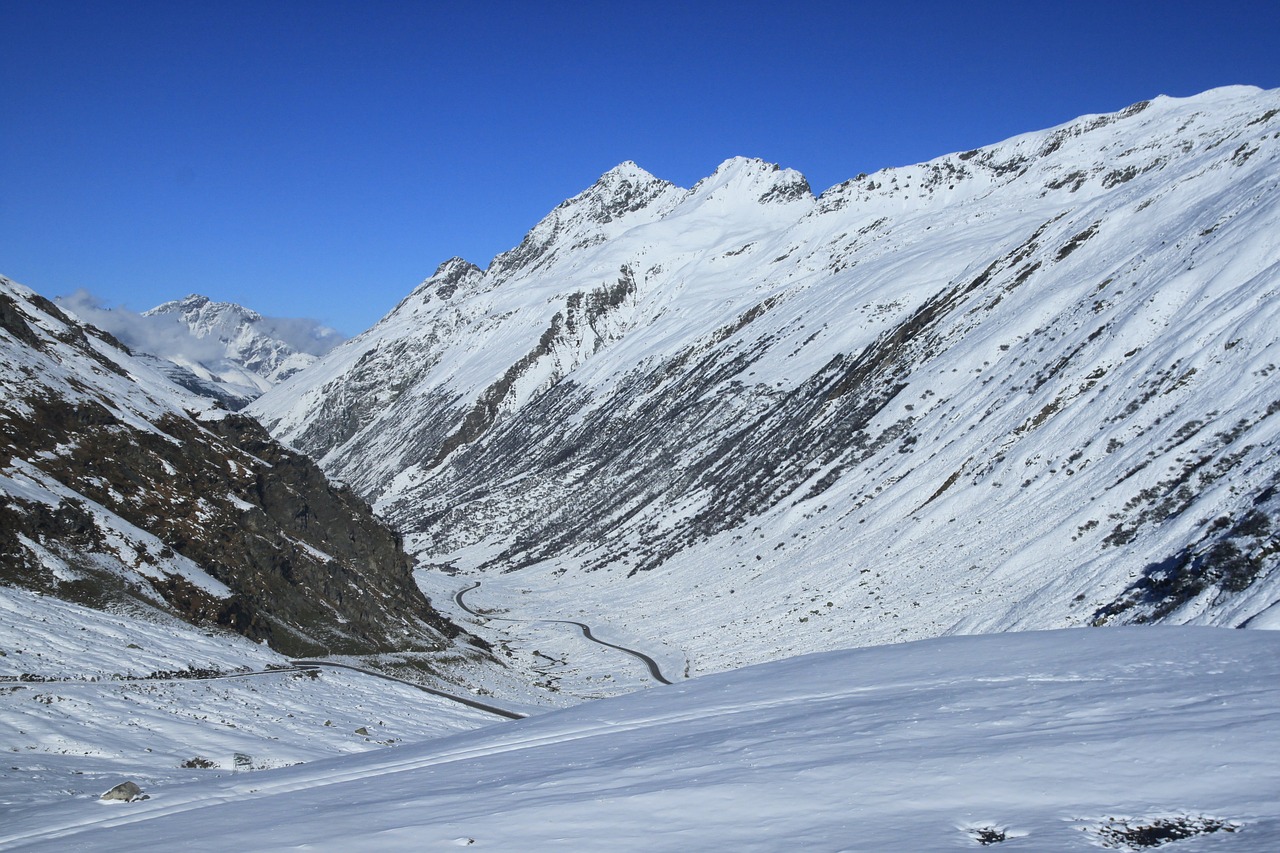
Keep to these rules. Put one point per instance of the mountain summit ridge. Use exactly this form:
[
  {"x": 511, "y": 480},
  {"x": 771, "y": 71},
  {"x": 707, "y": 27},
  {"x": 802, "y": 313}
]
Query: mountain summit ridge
[{"x": 251, "y": 340}]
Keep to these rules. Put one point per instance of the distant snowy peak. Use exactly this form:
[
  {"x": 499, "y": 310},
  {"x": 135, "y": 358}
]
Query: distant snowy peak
[
  {"x": 623, "y": 197},
  {"x": 272, "y": 348},
  {"x": 629, "y": 171},
  {"x": 219, "y": 350},
  {"x": 624, "y": 189},
  {"x": 206, "y": 317},
  {"x": 236, "y": 350}
]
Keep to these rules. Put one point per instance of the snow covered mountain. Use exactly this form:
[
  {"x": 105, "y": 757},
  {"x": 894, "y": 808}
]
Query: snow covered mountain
[
  {"x": 125, "y": 492},
  {"x": 271, "y": 349},
  {"x": 1028, "y": 385},
  {"x": 217, "y": 349}
]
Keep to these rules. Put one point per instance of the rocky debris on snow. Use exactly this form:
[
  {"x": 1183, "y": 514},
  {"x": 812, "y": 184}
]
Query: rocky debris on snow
[
  {"x": 1141, "y": 833},
  {"x": 987, "y": 835},
  {"x": 125, "y": 792}
]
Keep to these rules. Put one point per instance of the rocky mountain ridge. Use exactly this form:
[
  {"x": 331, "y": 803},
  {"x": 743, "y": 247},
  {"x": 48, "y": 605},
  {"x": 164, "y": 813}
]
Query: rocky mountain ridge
[{"x": 1028, "y": 385}]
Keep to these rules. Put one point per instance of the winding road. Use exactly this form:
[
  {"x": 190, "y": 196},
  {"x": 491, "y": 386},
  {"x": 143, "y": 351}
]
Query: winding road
[{"x": 652, "y": 664}]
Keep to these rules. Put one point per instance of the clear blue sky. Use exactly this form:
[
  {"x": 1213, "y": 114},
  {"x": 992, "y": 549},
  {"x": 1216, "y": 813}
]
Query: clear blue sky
[{"x": 319, "y": 159}]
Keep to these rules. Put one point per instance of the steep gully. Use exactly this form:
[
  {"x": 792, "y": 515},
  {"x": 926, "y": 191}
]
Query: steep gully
[{"x": 586, "y": 632}]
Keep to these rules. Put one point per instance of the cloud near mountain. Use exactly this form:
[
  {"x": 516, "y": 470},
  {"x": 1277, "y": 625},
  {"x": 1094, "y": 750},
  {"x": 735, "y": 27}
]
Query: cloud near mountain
[{"x": 165, "y": 334}]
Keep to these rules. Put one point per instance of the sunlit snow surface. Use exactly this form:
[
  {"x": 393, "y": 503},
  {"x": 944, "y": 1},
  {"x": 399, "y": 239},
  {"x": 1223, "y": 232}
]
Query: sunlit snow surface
[{"x": 1045, "y": 738}]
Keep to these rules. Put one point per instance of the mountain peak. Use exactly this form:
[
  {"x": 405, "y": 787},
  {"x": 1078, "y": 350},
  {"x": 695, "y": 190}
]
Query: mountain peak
[
  {"x": 623, "y": 189},
  {"x": 618, "y": 194},
  {"x": 750, "y": 165},
  {"x": 221, "y": 344},
  {"x": 197, "y": 305},
  {"x": 754, "y": 179},
  {"x": 454, "y": 268},
  {"x": 627, "y": 170},
  {"x": 447, "y": 278},
  {"x": 190, "y": 302}
]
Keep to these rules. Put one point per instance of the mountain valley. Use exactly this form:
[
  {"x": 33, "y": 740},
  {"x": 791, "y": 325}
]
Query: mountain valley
[{"x": 923, "y": 504}]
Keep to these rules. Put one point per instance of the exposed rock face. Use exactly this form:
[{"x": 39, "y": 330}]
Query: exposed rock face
[
  {"x": 112, "y": 490},
  {"x": 1028, "y": 385}
]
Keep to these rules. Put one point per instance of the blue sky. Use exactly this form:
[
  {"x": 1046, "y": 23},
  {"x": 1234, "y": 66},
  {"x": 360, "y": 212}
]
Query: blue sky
[{"x": 320, "y": 159}]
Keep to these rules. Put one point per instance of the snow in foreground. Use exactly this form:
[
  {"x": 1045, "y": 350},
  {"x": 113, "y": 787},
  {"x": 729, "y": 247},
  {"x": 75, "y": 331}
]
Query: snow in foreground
[
  {"x": 1054, "y": 741},
  {"x": 89, "y": 698}
]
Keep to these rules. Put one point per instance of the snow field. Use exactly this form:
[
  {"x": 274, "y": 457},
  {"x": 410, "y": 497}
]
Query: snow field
[{"x": 1051, "y": 739}]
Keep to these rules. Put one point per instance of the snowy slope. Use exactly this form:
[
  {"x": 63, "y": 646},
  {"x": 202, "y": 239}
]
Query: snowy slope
[
  {"x": 1056, "y": 741},
  {"x": 88, "y": 698},
  {"x": 1029, "y": 385}
]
